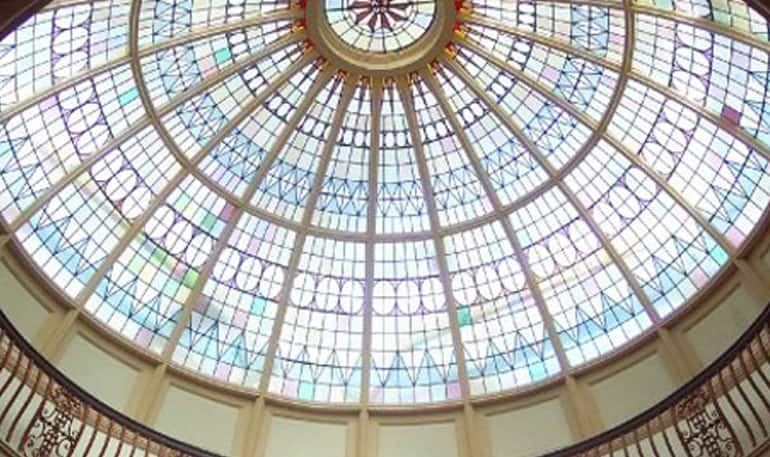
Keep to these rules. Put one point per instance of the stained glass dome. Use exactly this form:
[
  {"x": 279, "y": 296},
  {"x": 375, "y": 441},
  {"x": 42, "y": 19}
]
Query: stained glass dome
[{"x": 513, "y": 191}]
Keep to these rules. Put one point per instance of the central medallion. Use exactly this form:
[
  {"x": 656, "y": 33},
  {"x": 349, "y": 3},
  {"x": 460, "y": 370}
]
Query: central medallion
[
  {"x": 380, "y": 38},
  {"x": 380, "y": 26}
]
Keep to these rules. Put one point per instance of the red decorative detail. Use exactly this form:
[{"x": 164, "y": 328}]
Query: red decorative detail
[
  {"x": 53, "y": 431},
  {"x": 703, "y": 428},
  {"x": 379, "y": 14}
]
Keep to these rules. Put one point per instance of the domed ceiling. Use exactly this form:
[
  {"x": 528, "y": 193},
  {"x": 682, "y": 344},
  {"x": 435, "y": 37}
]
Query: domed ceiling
[{"x": 383, "y": 201}]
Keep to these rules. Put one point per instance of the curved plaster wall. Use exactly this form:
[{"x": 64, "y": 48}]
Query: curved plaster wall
[{"x": 526, "y": 424}]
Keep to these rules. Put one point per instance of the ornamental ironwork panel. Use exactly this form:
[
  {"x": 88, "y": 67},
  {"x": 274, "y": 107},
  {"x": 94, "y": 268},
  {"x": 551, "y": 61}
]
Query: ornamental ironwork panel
[
  {"x": 702, "y": 427},
  {"x": 53, "y": 431}
]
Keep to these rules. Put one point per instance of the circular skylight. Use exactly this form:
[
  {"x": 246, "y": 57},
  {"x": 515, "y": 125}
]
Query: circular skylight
[
  {"x": 211, "y": 183},
  {"x": 380, "y": 25}
]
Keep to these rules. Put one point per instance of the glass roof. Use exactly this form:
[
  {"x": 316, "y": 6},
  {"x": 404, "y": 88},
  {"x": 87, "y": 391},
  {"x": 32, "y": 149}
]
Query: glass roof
[{"x": 198, "y": 178}]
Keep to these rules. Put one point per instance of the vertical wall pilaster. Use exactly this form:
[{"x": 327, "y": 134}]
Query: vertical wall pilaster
[
  {"x": 55, "y": 333},
  {"x": 146, "y": 397},
  {"x": 585, "y": 419}
]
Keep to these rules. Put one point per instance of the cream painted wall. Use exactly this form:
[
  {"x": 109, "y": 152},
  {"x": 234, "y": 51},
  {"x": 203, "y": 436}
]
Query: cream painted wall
[
  {"x": 528, "y": 431},
  {"x": 197, "y": 420},
  {"x": 103, "y": 375},
  {"x": 423, "y": 440},
  {"x": 632, "y": 390},
  {"x": 302, "y": 438},
  {"x": 713, "y": 334},
  {"x": 20, "y": 306}
]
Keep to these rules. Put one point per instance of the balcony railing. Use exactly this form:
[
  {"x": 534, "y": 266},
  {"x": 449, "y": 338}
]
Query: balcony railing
[
  {"x": 44, "y": 414},
  {"x": 724, "y": 411}
]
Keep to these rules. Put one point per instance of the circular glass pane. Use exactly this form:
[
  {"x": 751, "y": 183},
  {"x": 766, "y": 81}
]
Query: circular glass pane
[{"x": 380, "y": 26}]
